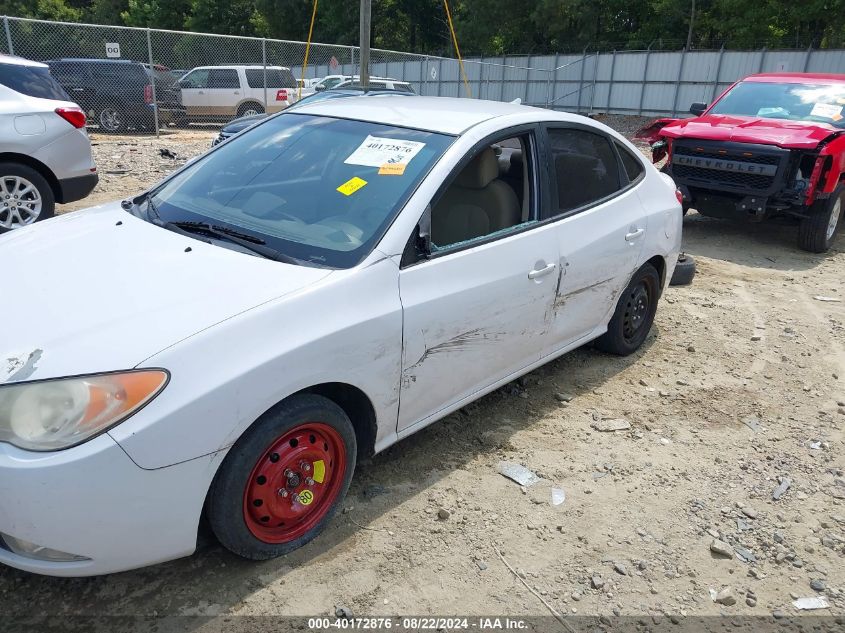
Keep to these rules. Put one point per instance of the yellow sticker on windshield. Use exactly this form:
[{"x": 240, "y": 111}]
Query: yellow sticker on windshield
[
  {"x": 351, "y": 186},
  {"x": 392, "y": 169}
]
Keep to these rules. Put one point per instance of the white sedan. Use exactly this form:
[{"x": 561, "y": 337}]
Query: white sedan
[{"x": 311, "y": 291}]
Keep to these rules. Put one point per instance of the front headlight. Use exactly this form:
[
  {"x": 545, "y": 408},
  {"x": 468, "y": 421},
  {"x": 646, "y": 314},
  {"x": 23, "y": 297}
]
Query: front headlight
[{"x": 50, "y": 415}]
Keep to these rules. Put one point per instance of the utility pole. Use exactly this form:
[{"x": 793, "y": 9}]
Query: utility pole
[
  {"x": 366, "y": 22},
  {"x": 691, "y": 22}
]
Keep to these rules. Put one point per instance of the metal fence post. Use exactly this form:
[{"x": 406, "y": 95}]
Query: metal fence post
[
  {"x": 152, "y": 80},
  {"x": 678, "y": 84},
  {"x": 581, "y": 81},
  {"x": 352, "y": 55},
  {"x": 527, "y": 80},
  {"x": 264, "y": 64},
  {"x": 718, "y": 72},
  {"x": 597, "y": 58},
  {"x": 8, "y": 35},
  {"x": 645, "y": 79},
  {"x": 502, "y": 85},
  {"x": 762, "y": 59},
  {"x": 610, "y": 85},
  {"x": 425, "y": 76},
  {"x": 480, "y": 76},
  {"x": 806, "y": 57},
  {"x": 552, "y": 80},
  {"x": 439, "y": 75}
]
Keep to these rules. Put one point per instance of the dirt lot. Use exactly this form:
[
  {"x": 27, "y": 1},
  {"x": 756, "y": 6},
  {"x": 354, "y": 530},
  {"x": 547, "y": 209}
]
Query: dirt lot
[{"x": 738, "y": 390}]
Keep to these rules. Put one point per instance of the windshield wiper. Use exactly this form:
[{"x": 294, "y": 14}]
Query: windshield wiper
[
  {"x": 192, "y": 229},
  {"x": 249, "y": 242}
]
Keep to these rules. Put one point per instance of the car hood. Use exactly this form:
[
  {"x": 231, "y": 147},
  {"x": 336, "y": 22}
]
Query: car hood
[
  {"x": 719, "y": 127},
  {"x": 238, "y": 125},
  {"x": 101, "y": 290}
]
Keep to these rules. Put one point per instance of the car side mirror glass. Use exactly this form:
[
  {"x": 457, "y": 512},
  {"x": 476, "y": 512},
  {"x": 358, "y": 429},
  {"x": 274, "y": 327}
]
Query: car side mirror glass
[{"x": 698, "y": 108}]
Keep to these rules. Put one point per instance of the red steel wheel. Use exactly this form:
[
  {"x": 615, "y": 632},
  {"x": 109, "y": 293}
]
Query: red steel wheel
[
  {"x": 284, "y": 479},
  {"x": 294, "y": 483}
]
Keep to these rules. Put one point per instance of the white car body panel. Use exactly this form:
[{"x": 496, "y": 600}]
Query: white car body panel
[{"x": 238, "y": 333}]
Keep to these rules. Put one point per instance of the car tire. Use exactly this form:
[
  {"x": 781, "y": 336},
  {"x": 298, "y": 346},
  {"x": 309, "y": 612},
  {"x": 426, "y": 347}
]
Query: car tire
[
  {"x": 284, "y": 479},
  {"x": 817, "y": 230},
  {"x": 35, "y": 205},
  {"x": 112, "y": 119},
  {"x": 247, "y": 109},
  {"x": 684, "y": 271},
  {"x": 631, "y": 321}
]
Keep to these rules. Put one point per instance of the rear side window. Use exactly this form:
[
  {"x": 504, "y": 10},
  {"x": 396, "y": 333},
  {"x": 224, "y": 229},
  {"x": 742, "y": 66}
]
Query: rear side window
[
  {"x": 633, "y": 167},
  {"x": 403, "y": 88},
  {"x": 584, "y": 167},
  {"x": 223, "y": 78},
  {"x": 31, "y": 81},
  {"x": 120, "y": 74},
  {"x": 276, "y": 78}
]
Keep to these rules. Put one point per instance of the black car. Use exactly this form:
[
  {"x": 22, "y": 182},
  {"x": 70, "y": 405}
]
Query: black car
[
  {"x": 117, "y": 94},
  {"x": 242, "y": 123}
]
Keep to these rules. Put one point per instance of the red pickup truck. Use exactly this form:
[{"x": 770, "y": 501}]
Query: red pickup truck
[{"x": 771, "y": 144}]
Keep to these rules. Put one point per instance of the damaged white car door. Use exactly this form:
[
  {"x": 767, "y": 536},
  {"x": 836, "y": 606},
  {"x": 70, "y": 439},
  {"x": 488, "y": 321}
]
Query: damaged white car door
[{"x": 477, "y": 309}]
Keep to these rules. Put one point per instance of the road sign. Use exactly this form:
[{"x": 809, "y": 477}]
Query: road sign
[{"x": 112, "y": 49}]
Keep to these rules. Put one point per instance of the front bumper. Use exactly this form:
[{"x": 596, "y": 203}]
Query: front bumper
[{"x": 94, "y": 501}]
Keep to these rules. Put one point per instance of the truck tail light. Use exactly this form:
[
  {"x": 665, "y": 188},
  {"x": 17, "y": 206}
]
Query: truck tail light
[
  {"x": 74, "y": 116},
  {"x": 282, "y": 95},
  {"x": 148, "y": 93},
  {"x": 679, "y": 196}
]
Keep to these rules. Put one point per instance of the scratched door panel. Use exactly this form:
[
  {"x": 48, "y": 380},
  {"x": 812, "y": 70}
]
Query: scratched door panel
[
  {"x": 596, "y": 264},
  {"x": 473, "y": 317}
]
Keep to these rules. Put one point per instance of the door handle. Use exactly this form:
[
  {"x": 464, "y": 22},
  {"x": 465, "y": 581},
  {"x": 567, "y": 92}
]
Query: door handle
[
  {"x": 78, "y": 89},
  {"x": 630, "y": 237},
  {"x": 541, "y": 272},
  {"x": 200, "y": 92},
  {"x": 237, "y": 92}
]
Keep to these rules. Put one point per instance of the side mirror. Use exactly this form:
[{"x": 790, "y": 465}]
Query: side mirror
[
  {"x": 424, "y": 233},
  {"x": 697, "y": 108},
  {"x": 319, "y": 88}
]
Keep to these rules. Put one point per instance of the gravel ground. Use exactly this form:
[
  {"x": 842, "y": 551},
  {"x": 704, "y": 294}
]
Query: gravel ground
[{"x": 723, "y": 493}]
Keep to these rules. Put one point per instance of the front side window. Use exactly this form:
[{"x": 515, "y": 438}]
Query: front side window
[
  {"x": 795, "y": 102},
  {"x": 223, "y": 78},
  {"x": 492, "y": 194},
  {"x": 319, "y": 189},
  {"x": 32, "y": 81},
  {"x": 584, "y": 168},
  {"x": 195, "y": 79}
]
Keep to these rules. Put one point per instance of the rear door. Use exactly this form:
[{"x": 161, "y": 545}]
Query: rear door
[
  {"x": 224, "y": 92},
  {"x": 600, "y": 228}
]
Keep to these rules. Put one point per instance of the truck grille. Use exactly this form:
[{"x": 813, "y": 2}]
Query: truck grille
[{"x": 733, "y": 166}]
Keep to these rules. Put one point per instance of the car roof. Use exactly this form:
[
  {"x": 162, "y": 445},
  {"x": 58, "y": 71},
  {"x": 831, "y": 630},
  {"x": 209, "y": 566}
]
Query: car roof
[
  {"x": 19, "y": 61},
  {"x": 796, "y": 78},
  {"x": 447, "y": 115},
  {"x": 92, "y": 60}
]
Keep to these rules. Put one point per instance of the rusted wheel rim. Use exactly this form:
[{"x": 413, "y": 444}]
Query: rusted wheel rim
[{"x": 294, "y": 483}]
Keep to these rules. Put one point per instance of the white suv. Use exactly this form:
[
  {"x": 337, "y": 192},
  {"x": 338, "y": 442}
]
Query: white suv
[
  {"x": 45, "y": 152},
  {"x": 224, "y": 92}
]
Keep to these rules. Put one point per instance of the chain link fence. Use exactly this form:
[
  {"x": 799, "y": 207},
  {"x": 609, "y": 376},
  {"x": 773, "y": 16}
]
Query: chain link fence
[{"x": 142, "y": 80}]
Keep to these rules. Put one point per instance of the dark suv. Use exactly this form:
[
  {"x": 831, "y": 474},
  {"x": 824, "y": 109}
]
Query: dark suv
[{"x": 118, "y": 94}]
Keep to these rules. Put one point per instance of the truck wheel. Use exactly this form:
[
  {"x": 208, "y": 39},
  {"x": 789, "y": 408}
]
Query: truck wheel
[
  {"x": 25, "y": 197},
  {"x": 634, "y": 314},
  {"x": 818, "y": 229},
  {"x": 684, "y": 271},
  {"x": 250, "y": 109}
]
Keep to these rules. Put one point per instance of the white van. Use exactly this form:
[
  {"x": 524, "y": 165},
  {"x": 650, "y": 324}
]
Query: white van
[{"x": 224, "y": 92}]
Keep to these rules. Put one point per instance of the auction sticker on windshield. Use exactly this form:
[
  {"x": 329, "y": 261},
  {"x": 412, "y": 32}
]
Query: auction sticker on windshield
[
  {"x": 827, "y": 111},
  {"x": 376, "y": 151}
]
